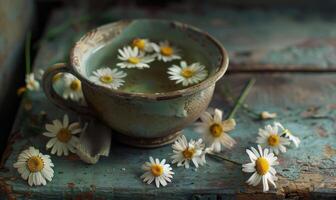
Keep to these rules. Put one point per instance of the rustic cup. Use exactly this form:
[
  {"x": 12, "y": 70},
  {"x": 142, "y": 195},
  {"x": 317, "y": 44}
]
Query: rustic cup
[{"x": 141, "y": 119}]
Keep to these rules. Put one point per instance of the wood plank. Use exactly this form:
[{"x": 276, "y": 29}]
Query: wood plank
[
  {"x": 305, "y": 103},
  {"x": 309, "y": 111},
  {"x": 257, "y": 40}
]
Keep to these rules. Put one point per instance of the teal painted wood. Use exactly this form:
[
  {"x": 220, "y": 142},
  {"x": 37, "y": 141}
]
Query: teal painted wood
[
  {"x": 278, "y": 40},
  {"x": 305, "y": 104},
  {"x": 307, "y": 109}
]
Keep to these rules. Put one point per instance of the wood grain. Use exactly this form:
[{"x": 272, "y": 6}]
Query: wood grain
[
  {"x": 305, "y": 103},
  {"x": 257, "y": 40}
]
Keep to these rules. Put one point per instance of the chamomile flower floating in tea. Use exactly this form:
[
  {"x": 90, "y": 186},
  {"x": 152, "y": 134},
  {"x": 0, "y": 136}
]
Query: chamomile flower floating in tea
[
  {"x": 261, "y": 166},
  {"x": 270, "y": 138},
  {"x": 133, "y": 58},
  {"x": 157, "y": 171},
  {"x": 73, "y": 88},
  {"x": 31, "y": 83},
  {"x": 186, "y": 152},
  {"x": 166, "y": 52},
  {"x": 214, "y": 131},
  {"x": 108, "y": 78},
  {"x": 143, "y": 45},
  {"x": 34, "y": 167},
  {"x": 187, "y": 74},
  {"x": 287, "y": 134},
  {"x": 62, "y": 136}
]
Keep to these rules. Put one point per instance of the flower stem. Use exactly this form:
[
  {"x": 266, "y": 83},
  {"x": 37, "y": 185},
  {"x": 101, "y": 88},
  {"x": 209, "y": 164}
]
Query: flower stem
[
  {"x": 223, "y": 158},
  {"x": 27, "y": 52},
  {"x": 242, "y": 98}
]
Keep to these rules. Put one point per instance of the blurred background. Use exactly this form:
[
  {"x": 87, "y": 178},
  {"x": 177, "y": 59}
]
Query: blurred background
[{"x": 260, "y": 35}]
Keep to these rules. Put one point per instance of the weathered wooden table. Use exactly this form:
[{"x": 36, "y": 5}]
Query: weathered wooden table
[{"x": 291, "y": 55}]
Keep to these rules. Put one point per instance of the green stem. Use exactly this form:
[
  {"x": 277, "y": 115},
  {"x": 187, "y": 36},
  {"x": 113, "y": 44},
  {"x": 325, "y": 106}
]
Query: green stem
[
  {"x": 27, "y": 52},
  {"x": 223, "y": 158},
  {"x": 227, "y": 91},
  {"x": 242, "y": 98}
]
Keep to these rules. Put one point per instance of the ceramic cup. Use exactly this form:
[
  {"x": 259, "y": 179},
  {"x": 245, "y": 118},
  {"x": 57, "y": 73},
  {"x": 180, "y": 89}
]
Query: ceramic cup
[{"x": 141, "y": 119}]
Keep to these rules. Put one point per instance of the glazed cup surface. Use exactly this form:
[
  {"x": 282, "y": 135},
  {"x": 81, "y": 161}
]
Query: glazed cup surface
[{"x": 142, "y": 119}]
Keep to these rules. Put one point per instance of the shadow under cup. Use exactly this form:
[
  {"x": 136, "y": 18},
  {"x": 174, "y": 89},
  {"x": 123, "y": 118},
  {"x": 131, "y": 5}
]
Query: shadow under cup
[{"x": 149, "y": 110}]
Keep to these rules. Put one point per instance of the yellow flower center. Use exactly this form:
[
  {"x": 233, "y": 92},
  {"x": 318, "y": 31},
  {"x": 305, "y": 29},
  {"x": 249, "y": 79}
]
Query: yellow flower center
[
  {"x": 166, "y": 51},
  {"x": 157, "y": 170},
  {"x": 273, "y": 140},
  {"x": 133, "y": 60},
  {"x": 63, "y": 135},
  {"x": 35, "y": 164},
  {"x": 140, "y": 43},
  {"x": 187, "y": 72},
  {"x": 106, "y": 79},
  {"x": 216, "y": 130},
  {"x": 188, "y": 153},
  {"x": 262, "y": 166},
  {"x": 75, "y": 85}
]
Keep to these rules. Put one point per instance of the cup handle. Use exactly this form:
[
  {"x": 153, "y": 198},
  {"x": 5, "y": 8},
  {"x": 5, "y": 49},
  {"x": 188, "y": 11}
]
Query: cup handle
[{"x": 47, "y": 84}]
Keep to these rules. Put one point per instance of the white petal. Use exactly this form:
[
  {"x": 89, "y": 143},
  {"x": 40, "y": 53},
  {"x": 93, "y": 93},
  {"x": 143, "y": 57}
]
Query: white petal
[
  {"x": 206, "y": 117},
  {"x": 157, "y": 182},
  {"x": 65, "y": 121},
  {"x": 265, "y": 184},
  {"x": 218, "y": 116},
  {"x": 252, "y": 156},
  {"x": 51, "y": 142}
]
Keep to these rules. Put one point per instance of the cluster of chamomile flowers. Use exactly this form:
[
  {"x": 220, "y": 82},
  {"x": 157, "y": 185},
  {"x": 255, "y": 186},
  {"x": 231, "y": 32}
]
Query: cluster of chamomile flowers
[
  {"x": 37, "y": 168},
  {"x": 140, "y": 54},
  {"x": 214, "y": 135}
]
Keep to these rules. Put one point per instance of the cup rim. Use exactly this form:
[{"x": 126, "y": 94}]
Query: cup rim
[{"x": 210, "y": 80}]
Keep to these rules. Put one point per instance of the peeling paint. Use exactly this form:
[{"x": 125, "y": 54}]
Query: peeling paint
[
  {"x": 329, "y": 151},
  {"x": 322, "y": 132}
]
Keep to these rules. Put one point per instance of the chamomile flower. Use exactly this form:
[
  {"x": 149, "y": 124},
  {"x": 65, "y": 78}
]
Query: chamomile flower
[
  {"x": 34, "y": 167},
  {"x": 133, "y": 58},
  {"x": 73, "y": 88},
  {"x": 62, "y": 136},
  {"x": 108, "y": 78},
  {"x": 187, "y": 74},
  {"x": 143, "y": 44},
  {"x": 261, "y": 166},
  {"x": 287, "y": 134},
  {"x": 214, "y": 131},
  {"x": 186, "y": 152},
  {"x": 157, "y": 171},
  {"x": 39, "y": 74},
  {"x": 31, "y": 83},
  {"x": 270, "y": 138},
  {"x": 166, "y": 52}
]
